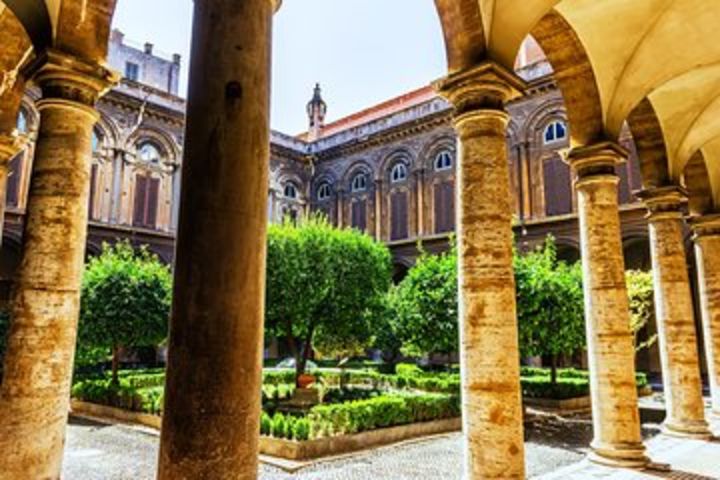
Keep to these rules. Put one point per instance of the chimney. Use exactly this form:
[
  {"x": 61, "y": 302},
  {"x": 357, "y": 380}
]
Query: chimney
[
  {"x": 176, "y": 58},
  {"x": 116, "y": 36},
  {"x": 149, "y": 48}
]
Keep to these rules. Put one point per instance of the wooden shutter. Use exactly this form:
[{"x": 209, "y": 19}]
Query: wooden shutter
[
  {"x": 12, "y": 195},
  {"x": 624, "y": 184},
  {"x": 359, "y": 215},
  {"x": 398, "y": 216},
  {"x": 558, "y": 188},
  {"x": 152, "y": 203},
  {"x": 140, "y": 198},
  {"x": 91, "y": 200}
]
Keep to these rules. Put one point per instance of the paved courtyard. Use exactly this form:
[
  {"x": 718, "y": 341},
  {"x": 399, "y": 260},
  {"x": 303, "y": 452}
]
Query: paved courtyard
[
  {"x": 555, "y": 449},
  {"x": 116, "y": 452}
]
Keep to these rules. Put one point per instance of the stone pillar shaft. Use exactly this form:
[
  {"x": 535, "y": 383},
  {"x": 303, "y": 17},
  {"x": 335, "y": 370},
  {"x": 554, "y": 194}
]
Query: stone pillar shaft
[
  {"x": 707, "y": 254},
  {"x": 611, "y": 354},
  {"x": 35, "y": 394},
  {"x": 491, "y": 398},
  {"x": 212, "y": 403},
  {"x": 675, "y": 316}
]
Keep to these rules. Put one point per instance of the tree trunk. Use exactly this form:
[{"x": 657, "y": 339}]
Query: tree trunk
[
  {"x": 115, "y": 365},
  {"x": 553, "y": 368}
]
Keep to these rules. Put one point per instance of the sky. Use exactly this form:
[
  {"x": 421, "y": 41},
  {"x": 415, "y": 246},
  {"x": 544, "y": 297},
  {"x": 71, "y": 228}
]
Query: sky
[{"x": 362, "y": 52}]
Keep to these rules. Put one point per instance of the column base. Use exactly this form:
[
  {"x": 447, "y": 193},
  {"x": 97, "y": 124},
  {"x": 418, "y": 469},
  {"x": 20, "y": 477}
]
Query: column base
[
  {"x": 619, "y": 456},
  {"x": 698, "y": 430}
]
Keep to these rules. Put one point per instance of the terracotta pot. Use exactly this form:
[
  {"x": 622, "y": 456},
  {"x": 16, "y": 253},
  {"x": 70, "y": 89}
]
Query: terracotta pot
[{"x": 305, "y": 380}]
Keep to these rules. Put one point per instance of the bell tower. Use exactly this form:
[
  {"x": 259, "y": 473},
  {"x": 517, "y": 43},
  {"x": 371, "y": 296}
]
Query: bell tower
[{"x": 316, "y": 110}]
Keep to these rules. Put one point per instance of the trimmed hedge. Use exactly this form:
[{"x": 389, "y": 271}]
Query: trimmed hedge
[{"x": 380, "y": 412}]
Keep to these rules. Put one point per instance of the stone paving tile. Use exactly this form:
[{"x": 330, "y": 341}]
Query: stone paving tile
[{"x": 100, "y": 452}]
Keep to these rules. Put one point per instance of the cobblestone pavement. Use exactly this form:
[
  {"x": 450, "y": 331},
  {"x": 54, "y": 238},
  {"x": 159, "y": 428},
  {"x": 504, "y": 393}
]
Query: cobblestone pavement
[{"x": 115, "y": 452}]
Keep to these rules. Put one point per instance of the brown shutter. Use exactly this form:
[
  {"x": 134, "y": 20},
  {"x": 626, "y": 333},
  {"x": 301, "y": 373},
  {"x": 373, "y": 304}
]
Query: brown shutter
[
  {"x": 398, "y": 217},
  {"x": 140, "y": 194},
  {"x": 449, "y": 203},
  {"x": 91, "y": 200},
  {"x": 558, "y": 189},
  {"x": 152, "y": 203},
  {"x": 12, "y": 196},
  {"x": 358, "y": 216},
  {"x": 624, "y": 184}
]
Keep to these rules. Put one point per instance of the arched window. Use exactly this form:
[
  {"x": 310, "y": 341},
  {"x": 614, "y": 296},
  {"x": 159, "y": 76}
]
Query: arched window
[
  {"x": 149, "y": 153},
  {"x": 95, "y": 141},
  {"x": 555, "y": 132},
  {"x": 359, "y": 183},
  {"x": 324, "y": 192},
  {"x": 290, "y": 191},
  {"x": 22, "y": 122},
  {"x": 399, "y": 173},
  {"x": 443, "y": 161}
]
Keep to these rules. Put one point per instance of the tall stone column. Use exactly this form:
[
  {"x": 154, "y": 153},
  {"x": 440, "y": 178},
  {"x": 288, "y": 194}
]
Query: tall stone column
[
  {"x": 611, "y": 354},
  {"x": 674, "y": 314},
  {"x": 35, "y": 393},
  {"x": 211, "y": 417},
  {"x": 707, "y": 254},
  {"x": 489, "y": 357}
]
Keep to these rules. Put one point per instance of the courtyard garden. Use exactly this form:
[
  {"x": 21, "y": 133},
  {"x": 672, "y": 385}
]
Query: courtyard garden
[{"x": 330, "y": 309}]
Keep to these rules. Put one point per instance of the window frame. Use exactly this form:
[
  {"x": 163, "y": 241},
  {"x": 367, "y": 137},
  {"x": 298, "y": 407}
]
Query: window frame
[
  {"x": 400, "y": 178},
  {"x": 360, "y": 177},
  {"x": 445, "y": 154},
  {"x": 324, "y": 192},
  {"x": 551, "y": 132}
]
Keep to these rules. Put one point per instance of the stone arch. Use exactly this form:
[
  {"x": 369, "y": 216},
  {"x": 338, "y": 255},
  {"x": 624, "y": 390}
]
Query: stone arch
[
  {"x": 649, "y": 140},
  {"x": 168, "y": 147},
  {"x": 699, "y": 188},
  {"x": 463, "y": 31},
  {"x": 568, "y": 249},
  {"x": 358, "y": 166},
  {"x": 575, "y": 76},
  {"x": 432, "y": 148},
  {"x": 402, "y": 154}
]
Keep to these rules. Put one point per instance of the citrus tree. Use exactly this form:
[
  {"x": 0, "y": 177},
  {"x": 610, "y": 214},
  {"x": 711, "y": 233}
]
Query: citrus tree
[
  {"x": 125, "y": 302},
  {"x": 549, "y": 299},
  {"x": 425, "y": 306},
  {"x": 325, "y": 288},
  {"x": 642, "y": 305}
]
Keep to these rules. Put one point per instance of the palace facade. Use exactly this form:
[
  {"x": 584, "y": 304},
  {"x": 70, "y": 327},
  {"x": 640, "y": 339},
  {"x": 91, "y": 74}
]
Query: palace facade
[{"x": 388, "y": 170}]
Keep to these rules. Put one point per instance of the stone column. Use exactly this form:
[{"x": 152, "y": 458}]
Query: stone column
[
  {"x": 211, "y": 417},
  {"x": 35, "y": 394},
  {"x": 674, "y": 314},
  {"x": 611, "y": 354},
  {"x": 707, "y": 254},
  {"x": 489, "y": 357}
]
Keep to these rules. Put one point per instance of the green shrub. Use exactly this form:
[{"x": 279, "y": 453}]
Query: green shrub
[
  {"x": 279, "y": 426},
  {"x": 277, "y": 377},
  {"x": 408, "y": 369},
  {"x": 380, "y": 412},
  {"x": 542, "y": 387},
  {"x": 301, "y": 430},
  {"x": 265, "y": 424}
]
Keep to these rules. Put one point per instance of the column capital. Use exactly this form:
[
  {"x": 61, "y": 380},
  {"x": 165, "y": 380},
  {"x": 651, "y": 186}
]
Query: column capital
[
  {"x": 596, "y": 161},
  {"x": 66, "y": 79},
  {"x": 487, "y": 86},
  {"x": 705, "y": 226},
  {"x": 664, "y": 203}
]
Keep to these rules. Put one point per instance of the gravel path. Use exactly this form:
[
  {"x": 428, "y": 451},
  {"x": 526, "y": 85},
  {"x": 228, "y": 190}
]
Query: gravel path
[{"x": 100, "y": 452}]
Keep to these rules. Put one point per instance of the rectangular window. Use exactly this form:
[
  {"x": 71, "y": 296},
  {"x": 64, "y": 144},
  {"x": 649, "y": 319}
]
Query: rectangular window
[
  {"x": 132, "y": 71},
  {"x": 444, "y": 207},
  {"x": 147, "y": 190},
  {"x": 359, "y": 216},
  {"x": 398, "y": 216},
  {"x": 91, "y": 200},
  {"x": 558, "y": 187},
  {"x": 12, "y": 196}
]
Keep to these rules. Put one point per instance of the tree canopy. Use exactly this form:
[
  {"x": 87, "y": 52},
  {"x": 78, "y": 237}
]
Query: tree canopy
[
  {"x": 642, "y": 306},
  {"x": 549, "y": 304},
  {"x": 425, "y": 306},
  {"x": 325, "y": 288},
  {"x": 125, "y": 302}
]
